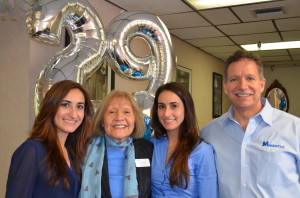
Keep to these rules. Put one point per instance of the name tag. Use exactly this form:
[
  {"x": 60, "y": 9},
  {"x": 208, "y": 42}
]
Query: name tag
[{"x": 142, "y": 162}]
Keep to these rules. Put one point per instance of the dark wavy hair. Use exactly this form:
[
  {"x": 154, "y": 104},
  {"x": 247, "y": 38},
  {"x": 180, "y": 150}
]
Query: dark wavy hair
[
  {"x": 241, "y": 54},
  {"x": 188, "y": 136},
  {"x": 44, "y": 130}
]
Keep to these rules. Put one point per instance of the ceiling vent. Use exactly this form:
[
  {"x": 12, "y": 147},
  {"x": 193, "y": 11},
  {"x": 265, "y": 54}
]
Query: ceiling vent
[{"x": 269, "y": 12}]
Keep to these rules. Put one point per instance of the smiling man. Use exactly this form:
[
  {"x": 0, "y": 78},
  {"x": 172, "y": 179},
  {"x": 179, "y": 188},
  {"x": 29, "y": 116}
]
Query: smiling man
[{"x": 257, "y": 147}]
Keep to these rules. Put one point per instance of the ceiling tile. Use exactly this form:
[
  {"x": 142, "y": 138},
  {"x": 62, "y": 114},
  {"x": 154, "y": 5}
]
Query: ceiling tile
[
  {"x": 198, "y": 32},
  {"x": 288, "y": 24},
  {"x": 158, "y": 7},
  {"x": 276, "y": 58},
  {"x": 182, "y": 20},
  {"x": 214, "y": 16},
  {"x": 272, "y": 53},
  {"x": 221, "y": 49},
  {"x": 207, "y": 42},
  {"x": 294, "y": 51},
  {"x": 254, "y": 38},
  {"x": 296, "y": 57},
  {"x": 248, "y": 28},
  {"x": 291, "y": 35},
  {"x": 223, "y": 56},
  {"x": 246, "y": 13}
]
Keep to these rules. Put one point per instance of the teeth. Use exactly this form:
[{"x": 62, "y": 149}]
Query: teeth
[
  {"x": 168, "y": 120},
  {"x": 120, "y": 126},
  {"x": 243, "y": 95},
  {"x": 70, "y": 121}
]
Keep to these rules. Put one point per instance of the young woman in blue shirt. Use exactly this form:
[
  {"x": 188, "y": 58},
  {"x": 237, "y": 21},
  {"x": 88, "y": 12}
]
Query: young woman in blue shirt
[
  {"x": 182, "y": 164},
  {"x": 48, "y": 163}
]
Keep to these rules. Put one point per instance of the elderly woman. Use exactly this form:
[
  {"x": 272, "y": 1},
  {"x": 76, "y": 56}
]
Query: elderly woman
[{"x": 118, "y": 159}]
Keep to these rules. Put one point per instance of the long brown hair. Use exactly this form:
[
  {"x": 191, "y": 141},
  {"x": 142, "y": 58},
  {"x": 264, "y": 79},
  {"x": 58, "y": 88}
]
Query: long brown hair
[
  {"x": 44, "y": 130},
  {"x": 188, "y": 136}
]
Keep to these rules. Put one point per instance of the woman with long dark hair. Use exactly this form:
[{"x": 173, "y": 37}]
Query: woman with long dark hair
[
  {"x": 48, "y": 163},
  {"x": 182, "y": 164}
]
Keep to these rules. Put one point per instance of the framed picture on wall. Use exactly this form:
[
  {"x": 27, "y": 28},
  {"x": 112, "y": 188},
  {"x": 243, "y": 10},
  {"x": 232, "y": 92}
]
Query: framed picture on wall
[
  {"x": 184, "y": 77},
  {"x": 217, "y": 95}
]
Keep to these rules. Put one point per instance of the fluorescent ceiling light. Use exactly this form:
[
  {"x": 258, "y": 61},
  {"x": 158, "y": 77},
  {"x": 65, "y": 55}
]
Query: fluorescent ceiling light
[
  {"x": 206, "y": 4},
  {"x": 272, "y": 46}
]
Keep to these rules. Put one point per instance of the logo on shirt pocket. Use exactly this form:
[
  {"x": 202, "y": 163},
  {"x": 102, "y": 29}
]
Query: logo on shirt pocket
[{"x": 271, "y": 147}]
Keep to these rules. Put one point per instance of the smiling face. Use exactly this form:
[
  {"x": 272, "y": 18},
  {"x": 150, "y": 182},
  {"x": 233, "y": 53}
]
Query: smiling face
[
  {"x": 170, "y": 111},
  {"x": 119, "y": 119},
  {"x": 70, "y": 113},
  {"x": 244, "y": 86}
]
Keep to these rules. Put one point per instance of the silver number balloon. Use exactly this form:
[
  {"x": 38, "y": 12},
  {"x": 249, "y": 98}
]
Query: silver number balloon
[
  {"x": 157, "y": 67},
  {"x": 85, "y": 53},
  {"x": 88, "y": 47}
]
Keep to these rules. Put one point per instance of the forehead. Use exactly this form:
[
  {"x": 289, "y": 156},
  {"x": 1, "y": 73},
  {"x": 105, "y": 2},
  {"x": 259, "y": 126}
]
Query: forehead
[
  {"x": 167, "y": 97},
  {"x": 243, "y": 66},
  {"x": 120, "y": 101},
  {"x": 74, "y": 94}
]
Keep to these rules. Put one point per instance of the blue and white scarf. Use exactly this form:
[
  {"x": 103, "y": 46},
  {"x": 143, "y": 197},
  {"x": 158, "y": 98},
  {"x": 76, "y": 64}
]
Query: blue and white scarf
[{"x": 92, "y": 168}]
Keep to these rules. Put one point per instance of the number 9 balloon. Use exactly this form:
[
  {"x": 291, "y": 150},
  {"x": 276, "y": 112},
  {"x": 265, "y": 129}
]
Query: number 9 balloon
[
  {"x": 89, "y": 48},
  {"x": 159, "y": 64}
]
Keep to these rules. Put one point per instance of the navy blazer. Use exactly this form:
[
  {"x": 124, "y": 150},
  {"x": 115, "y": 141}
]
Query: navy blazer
[{"x": 143, "y": 149}]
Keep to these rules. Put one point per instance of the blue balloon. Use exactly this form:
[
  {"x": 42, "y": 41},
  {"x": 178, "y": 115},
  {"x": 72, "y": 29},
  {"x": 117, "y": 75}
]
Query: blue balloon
[
  {"x": 137, "y": 74},
  {"x": 123, "y": 67},
  {"x": 282, "y": 104},
  {"x": 148, "y": 128}
]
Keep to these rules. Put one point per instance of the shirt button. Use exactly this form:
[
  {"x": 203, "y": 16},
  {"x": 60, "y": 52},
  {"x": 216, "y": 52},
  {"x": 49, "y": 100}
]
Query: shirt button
[
  {"x": 245, "y": 166},
  {"x": 245, "y": 185},
  {"x": 245, "y": 146}
]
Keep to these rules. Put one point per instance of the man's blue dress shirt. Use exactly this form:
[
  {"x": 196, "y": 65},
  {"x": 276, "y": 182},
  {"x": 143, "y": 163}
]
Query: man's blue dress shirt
[{"x": 261, "y": 162}]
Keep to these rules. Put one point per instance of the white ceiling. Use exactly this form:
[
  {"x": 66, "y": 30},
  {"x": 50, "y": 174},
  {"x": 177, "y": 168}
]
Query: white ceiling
[{"x": 219, "y": 32}]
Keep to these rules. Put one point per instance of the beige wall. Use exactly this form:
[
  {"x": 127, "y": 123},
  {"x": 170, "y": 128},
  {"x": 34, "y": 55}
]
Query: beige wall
[{"x": 14, "y": 91}]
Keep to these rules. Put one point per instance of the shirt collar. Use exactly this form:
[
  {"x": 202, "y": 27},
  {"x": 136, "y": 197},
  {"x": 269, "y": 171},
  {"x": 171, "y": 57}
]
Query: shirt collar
[
  {"x": 266, "y": 113},
  {"x": 227, "y": 117}
]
